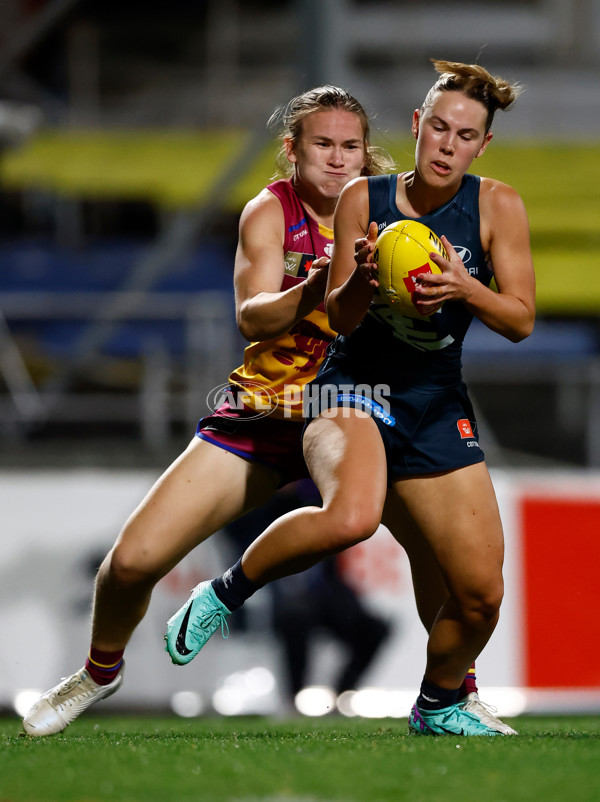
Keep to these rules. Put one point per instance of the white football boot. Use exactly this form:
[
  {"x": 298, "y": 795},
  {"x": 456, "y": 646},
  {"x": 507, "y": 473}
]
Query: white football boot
[
  {"x": 471, "y": 703},
  {"x": 61, "y": 705}
]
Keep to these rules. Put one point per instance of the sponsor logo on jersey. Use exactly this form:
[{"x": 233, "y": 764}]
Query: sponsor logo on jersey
[
  {"x": 463, "y": 252},
  {"x": 465, "y": 255},
  {"x": 464, "y": 428},
  {"x": 297, "y": 264},
  {"x": 291, "y": 262}
]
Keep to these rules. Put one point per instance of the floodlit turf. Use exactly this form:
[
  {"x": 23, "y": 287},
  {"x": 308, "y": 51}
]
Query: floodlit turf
[{"x": 554, "y": 759}]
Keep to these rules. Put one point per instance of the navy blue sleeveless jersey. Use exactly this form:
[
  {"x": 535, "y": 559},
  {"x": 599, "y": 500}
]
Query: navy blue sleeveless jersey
[{"x": 420, "y": 353}]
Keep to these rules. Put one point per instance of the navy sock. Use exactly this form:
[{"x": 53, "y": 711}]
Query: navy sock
[
  {"x": 234, "y": 587},
  {"x": 432, "y": 697}
]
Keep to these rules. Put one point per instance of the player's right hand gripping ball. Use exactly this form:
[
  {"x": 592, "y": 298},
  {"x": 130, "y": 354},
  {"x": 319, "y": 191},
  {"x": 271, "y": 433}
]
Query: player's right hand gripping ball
[{"x": 402, "y": 253}]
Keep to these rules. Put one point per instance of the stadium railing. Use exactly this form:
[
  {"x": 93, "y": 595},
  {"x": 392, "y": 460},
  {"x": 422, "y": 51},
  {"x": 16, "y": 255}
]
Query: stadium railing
[{"x": 179, "y": 346}]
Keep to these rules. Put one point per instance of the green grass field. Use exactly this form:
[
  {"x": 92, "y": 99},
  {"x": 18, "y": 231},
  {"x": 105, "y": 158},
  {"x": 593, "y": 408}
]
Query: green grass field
[{"x": 99, "y": 759}]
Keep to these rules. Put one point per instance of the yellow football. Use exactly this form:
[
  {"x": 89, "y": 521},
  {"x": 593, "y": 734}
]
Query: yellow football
[{"x": 402, "y": 253}]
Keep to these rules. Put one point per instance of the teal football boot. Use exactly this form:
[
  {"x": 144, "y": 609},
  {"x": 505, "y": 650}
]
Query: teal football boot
[
  {"x": 451, "y": 720},
  {"x": 191, "y": 626}
]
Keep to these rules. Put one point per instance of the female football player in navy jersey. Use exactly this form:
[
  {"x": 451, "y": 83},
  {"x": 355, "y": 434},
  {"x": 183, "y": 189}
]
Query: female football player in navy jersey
[
  {"x": 237, "y": 459},
  {"x": 422, "y": 443}
]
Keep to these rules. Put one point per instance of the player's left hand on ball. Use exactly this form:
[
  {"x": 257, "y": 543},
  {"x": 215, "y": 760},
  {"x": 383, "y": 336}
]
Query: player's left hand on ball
[
  {"x": 451, "y": 285},
  {"x": 370, "y": 273},
  {"x": 363, "y": 256},
  {"x": 364, "y": 246}
]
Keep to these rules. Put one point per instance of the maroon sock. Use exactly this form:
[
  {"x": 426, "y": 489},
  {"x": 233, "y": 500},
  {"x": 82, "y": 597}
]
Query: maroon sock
[
  {"x": 469, "y": 684},
  {"x": 103, "y": 667}
]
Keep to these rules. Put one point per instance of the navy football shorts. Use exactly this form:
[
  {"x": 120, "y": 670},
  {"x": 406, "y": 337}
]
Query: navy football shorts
[{"x": 424, "y": 431}]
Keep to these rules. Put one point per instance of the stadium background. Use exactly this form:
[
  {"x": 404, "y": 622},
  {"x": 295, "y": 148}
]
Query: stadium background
[{"x": 130, "y": 139}]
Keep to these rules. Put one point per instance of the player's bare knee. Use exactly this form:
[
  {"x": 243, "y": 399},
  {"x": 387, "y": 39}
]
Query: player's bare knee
[
  {"x": 127, "y": 568},
  {"x": 349, "y": 527},
  {"x": 480, "y": 608}
]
